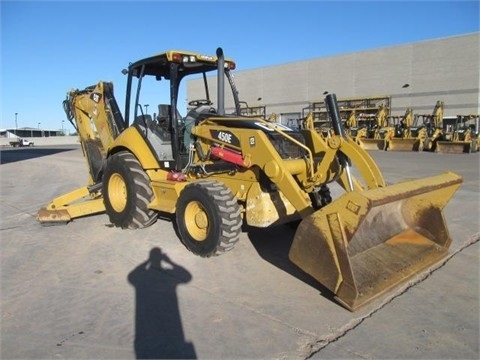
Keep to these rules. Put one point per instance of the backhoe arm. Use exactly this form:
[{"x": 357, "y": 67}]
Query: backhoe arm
[
  {"x": 95, "y": 115},
  {"x": 95, "y": 112}
]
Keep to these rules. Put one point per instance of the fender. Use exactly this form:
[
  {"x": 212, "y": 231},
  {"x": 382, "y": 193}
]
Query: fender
[{"x": 141, "y": 150}]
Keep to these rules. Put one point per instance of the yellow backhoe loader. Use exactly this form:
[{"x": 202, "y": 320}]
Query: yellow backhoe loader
[
  {"x": 374, "y": 131},
  {"x": 458, "y": 135},
  {"x": 405, "y": 134},
  {"x": 214, "y": 171},
  {"x": 433, "y": 126}
]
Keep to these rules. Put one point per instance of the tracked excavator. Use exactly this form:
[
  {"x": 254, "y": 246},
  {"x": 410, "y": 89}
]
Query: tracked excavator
[{"x": 214, "y": 170}]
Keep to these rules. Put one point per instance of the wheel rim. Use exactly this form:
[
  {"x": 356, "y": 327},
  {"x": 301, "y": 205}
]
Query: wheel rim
[
  {"x": 196, "y": 221},
  {"x": 117, "y": 192}
]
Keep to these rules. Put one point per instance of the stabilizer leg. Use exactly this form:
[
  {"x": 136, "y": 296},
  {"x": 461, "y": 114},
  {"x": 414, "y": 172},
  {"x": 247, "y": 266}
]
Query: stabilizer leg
[{"x": 77, "y": 203}]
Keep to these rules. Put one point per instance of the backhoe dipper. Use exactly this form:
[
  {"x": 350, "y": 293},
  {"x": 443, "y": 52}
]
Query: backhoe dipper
[{"x": 215, "y": 171}]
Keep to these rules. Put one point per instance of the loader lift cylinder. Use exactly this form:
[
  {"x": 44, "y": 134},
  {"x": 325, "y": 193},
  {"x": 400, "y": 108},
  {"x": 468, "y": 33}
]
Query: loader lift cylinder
[{"x": 334, "y": 113}]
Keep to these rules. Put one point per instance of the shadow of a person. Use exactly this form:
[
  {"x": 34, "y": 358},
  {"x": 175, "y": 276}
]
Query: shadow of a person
[{"x": 158, "y": 325}]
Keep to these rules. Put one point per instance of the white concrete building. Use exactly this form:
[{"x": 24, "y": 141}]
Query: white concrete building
[{"x": 413, "y": 75}]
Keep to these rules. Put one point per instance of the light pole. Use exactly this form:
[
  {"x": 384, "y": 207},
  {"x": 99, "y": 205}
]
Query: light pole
[
  {"x": 146, "y": 108},
  {"x": 16, "y": 126}
]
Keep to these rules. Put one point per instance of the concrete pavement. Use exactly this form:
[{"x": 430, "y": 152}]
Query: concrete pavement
[{"x": 89, "y": 290}]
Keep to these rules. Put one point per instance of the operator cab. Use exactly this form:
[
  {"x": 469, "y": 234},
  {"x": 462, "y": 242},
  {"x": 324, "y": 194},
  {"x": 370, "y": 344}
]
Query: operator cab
[
  {"x": 199, "y": 110},
  {"x": 169, "y": 134}
]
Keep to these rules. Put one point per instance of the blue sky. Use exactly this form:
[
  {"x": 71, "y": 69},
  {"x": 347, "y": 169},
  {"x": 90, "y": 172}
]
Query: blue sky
[{"x": 48, "y": 48}]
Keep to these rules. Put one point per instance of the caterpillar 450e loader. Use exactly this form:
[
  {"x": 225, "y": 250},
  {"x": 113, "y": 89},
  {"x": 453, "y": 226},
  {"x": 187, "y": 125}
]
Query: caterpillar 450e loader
[{"x": 215, "y": 170}]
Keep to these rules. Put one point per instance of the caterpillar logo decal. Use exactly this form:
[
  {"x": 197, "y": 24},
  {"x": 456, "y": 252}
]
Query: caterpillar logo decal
[
  {"x": 225, "y": 137},
  {"x": 96, "y": 97}
]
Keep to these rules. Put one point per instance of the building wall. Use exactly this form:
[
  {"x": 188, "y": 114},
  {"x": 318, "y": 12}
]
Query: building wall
[{"x": 445, "y": 69}]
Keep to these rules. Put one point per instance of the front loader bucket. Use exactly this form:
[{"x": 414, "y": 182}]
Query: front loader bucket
[
  {"x": 364, "y": 244},
  {"x": 404, "y": 145},
  {"x": 454, "y": 147},
  {"x": 372, "y": 144}
]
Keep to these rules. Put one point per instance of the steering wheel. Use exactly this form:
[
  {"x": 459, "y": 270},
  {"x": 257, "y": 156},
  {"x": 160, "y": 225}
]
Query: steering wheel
[{"x": 200, "y": 102}]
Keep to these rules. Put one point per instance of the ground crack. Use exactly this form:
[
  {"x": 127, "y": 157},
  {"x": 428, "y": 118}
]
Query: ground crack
[{"x": 316, "y": 345}]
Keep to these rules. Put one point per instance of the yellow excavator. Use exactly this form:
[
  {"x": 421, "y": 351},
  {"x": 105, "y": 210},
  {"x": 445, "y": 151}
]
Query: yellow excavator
[{"x": 214, "y": 171}]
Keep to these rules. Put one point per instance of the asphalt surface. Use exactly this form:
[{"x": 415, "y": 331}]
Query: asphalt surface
[{"x": 87, "y": 290}]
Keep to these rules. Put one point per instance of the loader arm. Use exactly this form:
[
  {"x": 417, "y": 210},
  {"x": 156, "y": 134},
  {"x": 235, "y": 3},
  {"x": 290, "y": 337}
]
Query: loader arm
[
  {"x": 330, "y": 149},
  {"x": 257, "y": 150},
  {"x": 295, "y": 178}
]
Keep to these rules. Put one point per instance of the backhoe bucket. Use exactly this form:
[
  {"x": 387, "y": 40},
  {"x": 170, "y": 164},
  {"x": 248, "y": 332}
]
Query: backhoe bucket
[{"x": 364, "y": 244}]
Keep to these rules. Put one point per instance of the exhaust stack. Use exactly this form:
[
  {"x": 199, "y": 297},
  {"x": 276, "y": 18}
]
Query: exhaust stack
[{"x": 220, "y": 82}]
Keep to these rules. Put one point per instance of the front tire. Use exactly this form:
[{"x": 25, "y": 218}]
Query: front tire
[
  {"x": 127, "y": 192},
  {"x": 208, "y": 218}
]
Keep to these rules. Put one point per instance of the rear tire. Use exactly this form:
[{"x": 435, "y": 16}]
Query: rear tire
[
  {"x": 126, "y": 192},
  {"x": 208, "y": 218}
]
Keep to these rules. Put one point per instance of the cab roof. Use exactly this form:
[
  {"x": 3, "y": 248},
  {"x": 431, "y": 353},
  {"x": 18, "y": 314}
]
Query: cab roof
[{"x": 191, "y": 63}]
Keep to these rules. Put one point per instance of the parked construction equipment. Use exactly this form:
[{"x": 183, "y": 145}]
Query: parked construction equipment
[
  {"x": 214, "y": 171},
  {"x": 459, "y": 135},
  {"x": 371, "y": 131},
  {"x": 361, "y": 116},
  {"x": 256, "y": 111},
  {"x": 433, "y": 125},
  {"x": 404, "y": 133}
]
